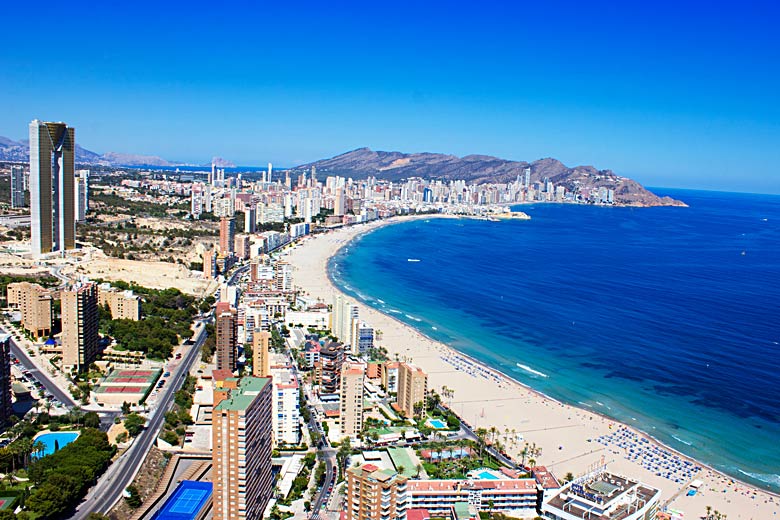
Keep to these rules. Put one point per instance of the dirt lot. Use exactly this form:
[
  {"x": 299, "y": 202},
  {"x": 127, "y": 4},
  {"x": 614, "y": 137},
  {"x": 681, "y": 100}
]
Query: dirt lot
[{"x": 146, "y": 481}]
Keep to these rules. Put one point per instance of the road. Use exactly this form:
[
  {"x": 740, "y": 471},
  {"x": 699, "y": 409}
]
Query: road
[
  {"x": 21, "y": 354},
  {"x": 102, "y": 497}
]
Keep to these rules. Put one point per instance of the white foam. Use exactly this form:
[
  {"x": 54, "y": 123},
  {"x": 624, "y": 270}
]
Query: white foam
[
  {"x": 769, "y": 478},
  {"x": 531, "y": 370}
]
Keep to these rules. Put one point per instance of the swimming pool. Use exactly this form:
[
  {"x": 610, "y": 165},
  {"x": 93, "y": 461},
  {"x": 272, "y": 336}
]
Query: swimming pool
[
  {"x": 437, "y": 424},
  {"x": 484, "y": 474},
  {"x": 54, "y": 440}
]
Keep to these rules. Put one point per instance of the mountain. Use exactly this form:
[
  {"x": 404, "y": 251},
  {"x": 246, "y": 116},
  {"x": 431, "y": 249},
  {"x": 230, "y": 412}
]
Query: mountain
[
  {"x": 19, "y": 151},
  {"x": 482, "y": 169}
]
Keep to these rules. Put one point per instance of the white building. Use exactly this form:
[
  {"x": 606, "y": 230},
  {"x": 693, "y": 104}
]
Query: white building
[{"x": 286, "y": 416}]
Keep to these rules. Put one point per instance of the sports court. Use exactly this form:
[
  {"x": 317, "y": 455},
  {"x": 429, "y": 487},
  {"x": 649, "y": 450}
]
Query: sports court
[{"x": 186, "y": 502}]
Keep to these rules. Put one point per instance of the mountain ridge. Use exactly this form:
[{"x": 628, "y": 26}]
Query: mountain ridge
[{"x": 483, "y": 169}]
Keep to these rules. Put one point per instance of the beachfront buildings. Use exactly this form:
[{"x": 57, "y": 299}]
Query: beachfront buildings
[
  {"x": 515, "y": 497},
  {"x": 352, "y": 394},
  {"x": 52, "y": 178},
  {"x": 283, "y": 277},
  {"x": 35, "y": 305},
  {"x": 261, "y": 354},
  {"x": 5, "y": 378},
  {"x": 390, "y": 376},
  {"x": 80, "y": 339},
  {"x": 226, "y": 336},
  {"x": 124, "y": 305},
  {"x": 241, "y": 450},
  {"x": 342, "y": 314},
  {"x": 375, "y": 494},
  {"x": 602, "y": 495},
  {"x": 412, "y": 388}
]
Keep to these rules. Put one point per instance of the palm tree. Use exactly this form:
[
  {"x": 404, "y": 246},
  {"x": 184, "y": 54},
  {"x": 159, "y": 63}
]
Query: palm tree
[
  {"x": 709, "y": 512},
  {"x": 523, "y": 454},
  {"x": 418, "y": 468},
  {"x": 490, "y": 510},
  {"x": 531, "y": 462}
]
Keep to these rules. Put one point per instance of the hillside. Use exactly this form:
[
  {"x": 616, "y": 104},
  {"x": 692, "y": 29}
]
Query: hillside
[
  {"x": 481, "y": 169},
  {"x": 19, "y": 151}
]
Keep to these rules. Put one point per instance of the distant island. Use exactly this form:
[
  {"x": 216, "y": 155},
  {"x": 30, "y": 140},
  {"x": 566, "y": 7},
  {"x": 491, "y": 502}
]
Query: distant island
[{"x": 484, "y": 169}]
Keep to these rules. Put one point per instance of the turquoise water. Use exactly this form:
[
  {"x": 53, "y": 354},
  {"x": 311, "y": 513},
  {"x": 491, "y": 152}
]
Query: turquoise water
[
  {"x": 486, "y": 475},
  {"x": 437, "y": 423},
  {"x": 49, "y": 439},
  {"x": 664, "y": 318}
]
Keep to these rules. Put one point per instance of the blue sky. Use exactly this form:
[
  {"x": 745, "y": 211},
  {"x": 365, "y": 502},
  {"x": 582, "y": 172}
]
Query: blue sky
[{"x": 672, "y": 95}]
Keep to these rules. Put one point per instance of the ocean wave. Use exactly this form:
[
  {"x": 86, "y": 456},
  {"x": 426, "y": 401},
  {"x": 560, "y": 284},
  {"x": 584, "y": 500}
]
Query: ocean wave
[
  {"x": 412, "y": 317},
  {"x": 393, "y": 311},
  {"x": 531, "y": 370},
  {"x": 380, "y": 301},
  {"x": 769, "y": 478},
  {"x": 684, "y": 442}
]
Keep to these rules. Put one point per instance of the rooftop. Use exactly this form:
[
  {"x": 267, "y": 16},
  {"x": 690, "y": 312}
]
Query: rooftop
[{"x": 243, "y": 396}]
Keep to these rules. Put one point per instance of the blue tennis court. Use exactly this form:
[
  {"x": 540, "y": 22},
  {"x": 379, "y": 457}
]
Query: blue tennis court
[{"x": 186, "y": 502}]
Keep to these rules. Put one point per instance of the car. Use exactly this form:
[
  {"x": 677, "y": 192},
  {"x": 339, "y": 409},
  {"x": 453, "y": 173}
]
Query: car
[{"x": 167, "y": 374}]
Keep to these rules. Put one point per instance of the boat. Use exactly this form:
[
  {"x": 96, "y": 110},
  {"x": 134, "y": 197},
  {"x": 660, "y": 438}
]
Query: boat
[{"x": 412, "y": 259}]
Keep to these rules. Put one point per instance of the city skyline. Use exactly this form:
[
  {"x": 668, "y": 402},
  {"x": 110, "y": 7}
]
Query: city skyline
[{"x": 674, "y": 101}]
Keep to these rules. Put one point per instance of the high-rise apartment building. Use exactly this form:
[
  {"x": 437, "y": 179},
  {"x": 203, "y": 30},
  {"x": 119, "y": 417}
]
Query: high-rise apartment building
[
  {"x": 375, "y": 494},
  {"x": 5, "y": 378},
  {"x": 81, "y": 192},
  {"x": 286, "y": 406},
  {"x": 412, "y": 387},
  {"x": 283, "y": 278},
  {"x": 52, "y": 216},
  {"x": 241, "y": 248},
  {"x": 227, "y": 236},
  {"x": 241, "y": 450},
  {"x": 35, "y": 304},
  {"x": 352, "y": 394},
  {"x": 227, "y": 333},
  {"x": 80, "y": 340},
  {"x": 209, "y": 264},
  {"x": 261, "y": 354},
  {"x": 17, "y": 187}
]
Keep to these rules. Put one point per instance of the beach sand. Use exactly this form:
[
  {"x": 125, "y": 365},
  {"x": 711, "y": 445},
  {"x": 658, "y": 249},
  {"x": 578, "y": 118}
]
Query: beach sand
[{"x": 484, "y": 398}]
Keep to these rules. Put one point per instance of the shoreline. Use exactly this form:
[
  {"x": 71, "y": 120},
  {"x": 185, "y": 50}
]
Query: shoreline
[{"x": 721, "y": 491}]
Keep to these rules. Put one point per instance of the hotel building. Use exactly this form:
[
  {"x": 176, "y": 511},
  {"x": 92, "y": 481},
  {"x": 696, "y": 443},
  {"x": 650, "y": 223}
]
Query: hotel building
[
  {"x": 227, "y": 236},
  {"x": 241, "y": 450},
  {"x": 331, "y": 359},
  {"x": 52, "y": 198},
  {"x": 286, "y": 406},
  {"x": 375, "y": 494},
  {"x": 124, "y": 305},
  {"x": 515, "y": 497}
]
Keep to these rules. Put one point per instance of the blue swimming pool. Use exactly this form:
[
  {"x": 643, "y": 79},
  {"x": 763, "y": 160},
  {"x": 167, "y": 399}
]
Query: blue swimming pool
[
  {"x": 53, "y": 440},
  {"x": 437, "y": 423},
  {"x": 486, "y": 475}
]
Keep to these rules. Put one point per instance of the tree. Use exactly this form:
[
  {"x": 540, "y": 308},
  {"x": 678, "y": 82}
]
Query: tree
[
  {"x": 134, "y": 500},
  {"x": 91, "y": 420},
  {"x": 569, "y": 477},
  {"x": 134, "y": 423},
  {"x": 125, "y": 408}
]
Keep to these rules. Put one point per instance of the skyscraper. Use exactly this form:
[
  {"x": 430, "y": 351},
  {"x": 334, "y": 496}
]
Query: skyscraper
[
  {"x": 53, "y": 223},
  {"x": 241, "y": 456},
  {"x": 226, "y": 340},
  {"x": 81, "y": 201},
  {"x": 80, "y": 340},
  {"x": 17, "y": 187},
  {"x": 227, "y": 236}
]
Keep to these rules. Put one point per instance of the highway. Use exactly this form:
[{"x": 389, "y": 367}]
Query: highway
[{"x": 102, "y": 497}]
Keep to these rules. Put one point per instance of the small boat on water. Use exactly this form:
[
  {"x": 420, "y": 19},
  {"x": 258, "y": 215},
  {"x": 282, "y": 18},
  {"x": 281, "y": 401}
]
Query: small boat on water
[{"x": 412, "y": 259}]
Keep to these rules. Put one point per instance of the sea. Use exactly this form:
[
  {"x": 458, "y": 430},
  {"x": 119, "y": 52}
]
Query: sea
[{"x": 666, "y": 318}]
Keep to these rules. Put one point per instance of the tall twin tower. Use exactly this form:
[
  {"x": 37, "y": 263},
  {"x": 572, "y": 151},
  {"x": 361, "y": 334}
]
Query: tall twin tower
[{"x": 52, "y": 200}]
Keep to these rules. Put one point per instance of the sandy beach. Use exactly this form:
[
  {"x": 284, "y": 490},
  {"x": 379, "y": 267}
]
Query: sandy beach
[{"x": 571, "y": 439}]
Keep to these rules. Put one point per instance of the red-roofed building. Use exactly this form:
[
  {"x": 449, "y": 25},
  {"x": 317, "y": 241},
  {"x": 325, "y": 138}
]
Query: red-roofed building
[
  {"x": 545, "y": 478},
  {"x": 418, "y": 514}
]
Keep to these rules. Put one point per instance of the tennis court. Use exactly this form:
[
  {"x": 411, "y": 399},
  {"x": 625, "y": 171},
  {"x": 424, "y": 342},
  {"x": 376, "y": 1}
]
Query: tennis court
[{"x": 186, "y": 502}]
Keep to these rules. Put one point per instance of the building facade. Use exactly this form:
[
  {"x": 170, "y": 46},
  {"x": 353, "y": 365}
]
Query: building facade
[
  {"x": 81, "y": 192},
  {"x": 375, "y": 494},
  {"x": 352, "y": 394},
  {"x": 52, "y": 197},
  {"x": 227, "y": 235},
  {"x": 261, "y": 353},
  {"x": 17, "y": 187},
  {"x": 124, "y": 305},
  {"x": 80, "y": 339},
  {"x": 241, "y": 450},
  {"x": 412, "y": 387},
  {"x": 35, "y": 304},
  {"x": 331, "y": 359},
  {"x": 286, "y": 406}
]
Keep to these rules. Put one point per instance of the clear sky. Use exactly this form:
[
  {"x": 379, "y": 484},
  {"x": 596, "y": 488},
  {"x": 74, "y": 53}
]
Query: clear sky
[{"x": 678, "y": 94}]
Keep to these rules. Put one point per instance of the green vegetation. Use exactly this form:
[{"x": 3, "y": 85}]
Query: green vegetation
[
  {"x": 167, "y": 317},
  {"x": 179, "y": 417},
  {"x": 111, "y": 203},
  {"x": 458, "y": 468},
  {"x": 63, "y": 478},
  {"x": 209, "y": 344},
  {"x": 301, "y": 482},
  {"x": 134, "y": 423}
]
